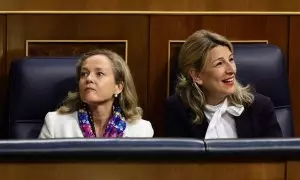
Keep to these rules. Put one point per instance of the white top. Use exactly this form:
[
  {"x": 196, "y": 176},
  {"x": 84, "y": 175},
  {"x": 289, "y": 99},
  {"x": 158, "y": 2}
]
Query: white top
[
  {"x": 221, "y": 120},
  {"x": 67, "y": 126}
]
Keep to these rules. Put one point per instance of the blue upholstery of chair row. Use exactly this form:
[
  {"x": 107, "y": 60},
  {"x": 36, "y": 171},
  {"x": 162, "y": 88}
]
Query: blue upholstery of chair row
[
  {"x": 253, "y": 149},
  {"x": 37, "y": 85},
  {"x": 163, "y": 149},
  {"x": 101, "y": 149},
  {"x": 263, "y": 66}
]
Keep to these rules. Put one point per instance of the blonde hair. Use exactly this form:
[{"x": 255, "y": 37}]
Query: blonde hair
[
  {"x": 127, "y": 99},
  {"x": 193, "y": 54}
]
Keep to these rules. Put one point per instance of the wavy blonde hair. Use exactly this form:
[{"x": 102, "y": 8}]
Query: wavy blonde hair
[
  {"x": 193, "y": 54},
  {"x": 127, "y": 99}
]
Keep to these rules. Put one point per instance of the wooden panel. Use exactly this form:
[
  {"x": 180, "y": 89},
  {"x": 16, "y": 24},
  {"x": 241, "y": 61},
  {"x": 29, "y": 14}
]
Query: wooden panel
[
  {"x": 293, "y": 172},
  {"x": 73, "y": 47},
  {"x": 3, "y": 74},
  {"x": 2, "y": 54},
  {"x": 165, "y": 28},
  {"x": 294, "y": 73},
  {"x": 150, "y": 5},
  {"x": 133, "y": 28},
  {"x": 2, "y": 45},
  {"x": 151, "y": 171}
]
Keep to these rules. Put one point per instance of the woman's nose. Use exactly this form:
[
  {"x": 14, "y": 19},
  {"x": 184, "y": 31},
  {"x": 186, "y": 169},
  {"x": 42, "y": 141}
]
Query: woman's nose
[
  {"x": 231, "y": 68},
  {"x": 89, "y": 78}
]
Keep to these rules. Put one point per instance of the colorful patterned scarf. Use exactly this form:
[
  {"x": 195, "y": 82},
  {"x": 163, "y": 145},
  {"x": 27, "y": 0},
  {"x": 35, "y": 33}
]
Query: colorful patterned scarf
[{"x": 115, "y": 126}]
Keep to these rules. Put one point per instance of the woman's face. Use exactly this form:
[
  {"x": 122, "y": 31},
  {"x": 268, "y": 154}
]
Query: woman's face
[
  {"x": 97, "y": 83},
  {"x": 217, "y": 77}
]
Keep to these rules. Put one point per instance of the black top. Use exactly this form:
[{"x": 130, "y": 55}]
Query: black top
[{"x": 257, "y": 120}]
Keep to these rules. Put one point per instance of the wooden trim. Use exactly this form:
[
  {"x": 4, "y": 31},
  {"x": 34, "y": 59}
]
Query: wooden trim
[
  {"x": 160, "y": 12},
  {"x": 79, "y": 41},
  {"x": 250, "y": 41}
]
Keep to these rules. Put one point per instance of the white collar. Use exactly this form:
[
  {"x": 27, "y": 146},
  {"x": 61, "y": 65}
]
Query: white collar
[
  {"x": 235, "y": 110},
  {"x": 221, "y": 126}
]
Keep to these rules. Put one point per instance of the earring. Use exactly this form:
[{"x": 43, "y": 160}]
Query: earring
[{"x": 116, "y": 95}]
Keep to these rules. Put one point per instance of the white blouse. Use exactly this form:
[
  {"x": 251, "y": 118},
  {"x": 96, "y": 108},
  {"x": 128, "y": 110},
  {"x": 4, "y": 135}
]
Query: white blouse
[{"x": 221, "y": 120}]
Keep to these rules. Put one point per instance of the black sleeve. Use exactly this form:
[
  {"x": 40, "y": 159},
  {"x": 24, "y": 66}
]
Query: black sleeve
[
  {"x": 174, "y": 125},
  {"x": 271, "y": 125}
]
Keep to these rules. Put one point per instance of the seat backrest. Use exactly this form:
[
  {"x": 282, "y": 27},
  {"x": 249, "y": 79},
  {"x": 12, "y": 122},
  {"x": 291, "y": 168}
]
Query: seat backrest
[
  {"x": 37, "y": 86},
  {"x": 263, "y": 66}
]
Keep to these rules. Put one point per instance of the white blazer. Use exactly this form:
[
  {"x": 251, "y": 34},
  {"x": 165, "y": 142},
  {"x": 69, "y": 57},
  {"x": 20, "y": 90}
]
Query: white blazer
[{"x": 67, "y": 126}]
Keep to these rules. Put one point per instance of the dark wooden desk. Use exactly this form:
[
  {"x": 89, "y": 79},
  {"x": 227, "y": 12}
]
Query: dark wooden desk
[{"x": 147, "y": 171}]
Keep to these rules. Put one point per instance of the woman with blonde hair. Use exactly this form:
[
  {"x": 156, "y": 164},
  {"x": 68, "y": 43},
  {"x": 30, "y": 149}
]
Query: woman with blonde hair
[
  {"x": 105, "y": 105},
  {"x": 209, "y": 101}
]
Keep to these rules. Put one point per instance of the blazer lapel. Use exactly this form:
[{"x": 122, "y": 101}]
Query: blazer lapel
[
  {"x": 196, "y": 130},
  {"x": 199, "y": 130},
  {"x": 243, "y": 125}
]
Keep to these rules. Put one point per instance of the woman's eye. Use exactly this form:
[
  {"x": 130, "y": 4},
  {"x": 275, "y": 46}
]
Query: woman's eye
[
  {"x": 99, "y": 73},
  {"x": 83, "y": 74},
  {"x": 218, "y": 64}
]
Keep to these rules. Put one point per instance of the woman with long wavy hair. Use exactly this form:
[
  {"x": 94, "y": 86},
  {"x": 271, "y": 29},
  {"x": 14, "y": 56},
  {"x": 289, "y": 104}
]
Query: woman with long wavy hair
[{"x": 209, "y": 101}]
